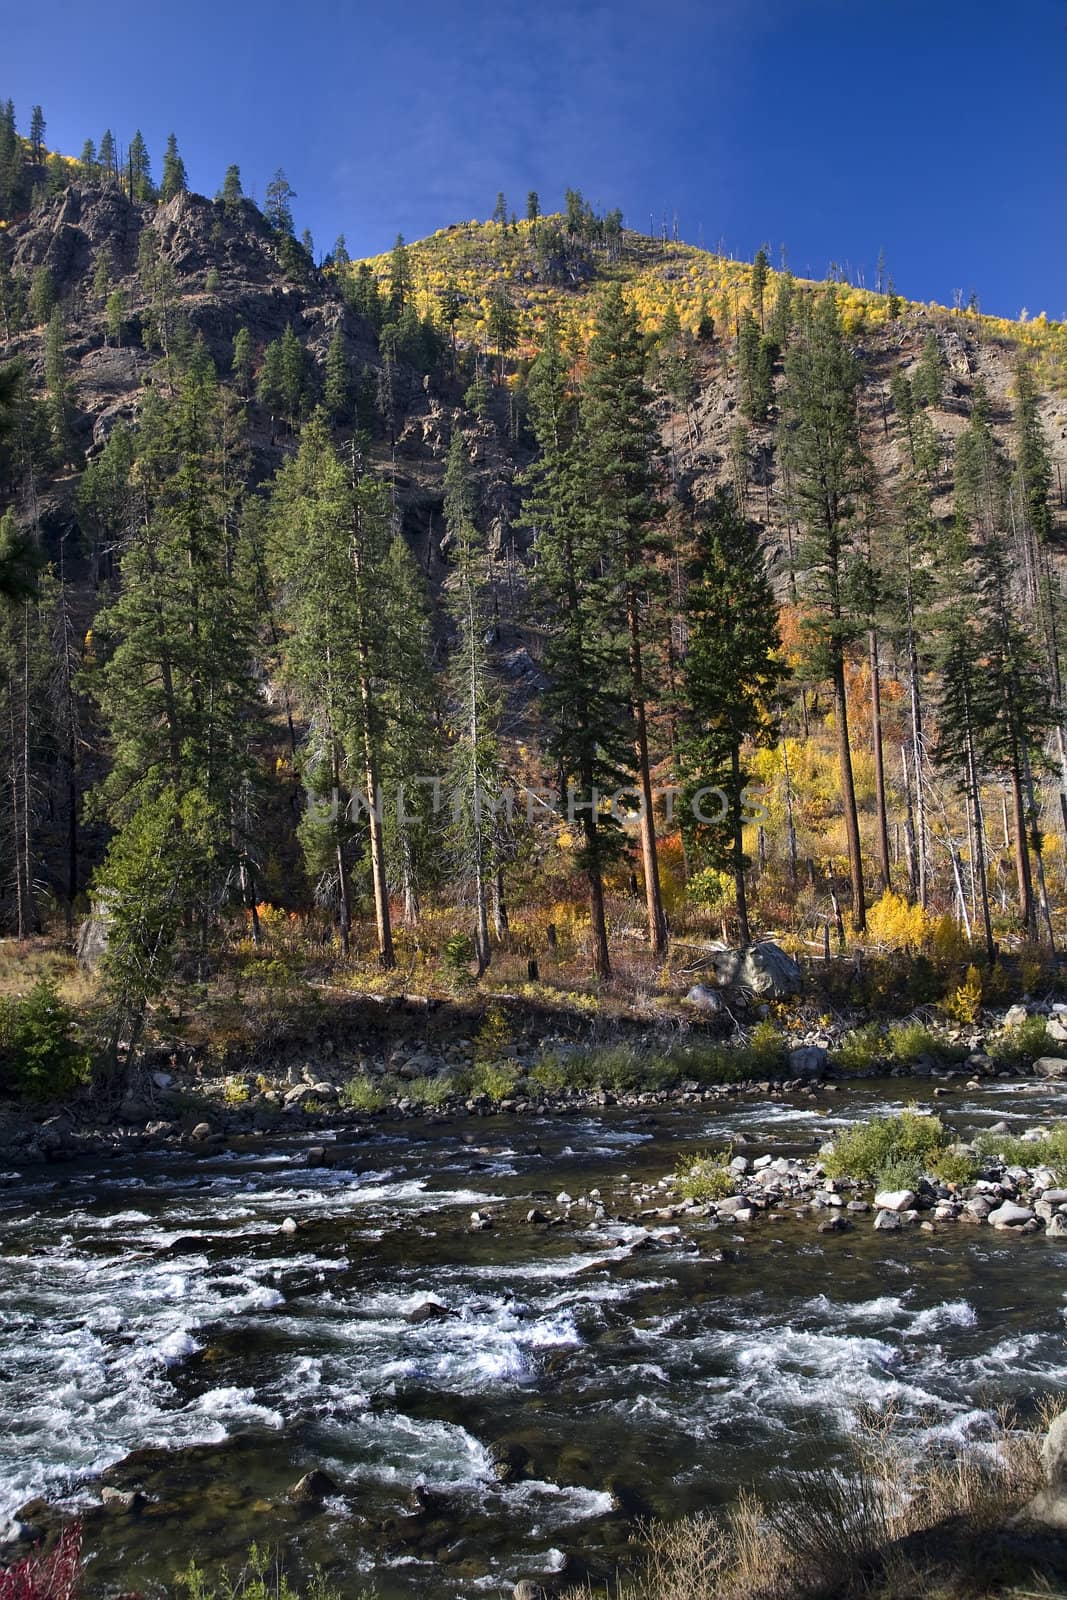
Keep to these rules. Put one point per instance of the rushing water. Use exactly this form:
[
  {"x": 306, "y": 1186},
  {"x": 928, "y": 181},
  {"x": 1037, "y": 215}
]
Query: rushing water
[{"x": 155, "y": 1306}]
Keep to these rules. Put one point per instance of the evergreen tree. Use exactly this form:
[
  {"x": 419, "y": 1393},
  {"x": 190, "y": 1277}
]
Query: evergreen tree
[
  {"x": 928, "y": 382},
  {"x": 116, "y": 315},
  {"x": 341, "y": 257},
  {"x": 174, "y": 178},
  {"x": 102, "y": 273},
  {"x": 731, "y": 678},
  {"x": 586, "y": 703},
  {"x": 278, "y": 204},
  {"x": 330, "y": 543},
  {"x": 242, "y": 362},
  {"x": 337, "y": 391},
  {"x": 231, "y": 192},
  {"x": 139, "y": 169},
  {"x": 500, "y": 210},
  {"x": 37, "y": 126},
  {"x": 502, "y": 325},
  {"x": 822, "y": 451},
  {"x": 270, "y": 386},
  {"x": 399, "y": 277},
  {"x": 475, "y": 772},
  {"x": 109, "y": 165},
  {"x": 42, "y": 297},
  {"x": 533, "y": 206},
  {"x": 88, "y": 161},
  {"x": 758, "y": 285},
  {"x": 619, "y": 448},
  {"x": 176, "y": 693},
  {"x": 55, "y": 377}
]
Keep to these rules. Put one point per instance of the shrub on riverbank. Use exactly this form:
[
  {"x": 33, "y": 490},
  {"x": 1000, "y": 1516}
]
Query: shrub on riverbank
[
  {"x": 891, "y": 1152},
  {"x": 1048, "y": 1151},
  {"x": 882, "y": 1527},
  {"x": 261, "y": 1578},
  {"x": 41, "y": 1056},
  {"x": 706, "y": 1177}
]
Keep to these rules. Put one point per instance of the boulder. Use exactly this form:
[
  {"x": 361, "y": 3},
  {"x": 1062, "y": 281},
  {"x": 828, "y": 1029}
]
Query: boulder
[
  {"x": 527, "y": 1589},
  {"x": 430, "y": 1311},
  {"x": 1056, "y": 1029},
  {"x": 704, "y": 998},
  {"x": 764, "y": 968},
  {"x": 92, "y": 941},
  {"x": 895, "y": 1200},
  {"x": 122, "y": 1499},
  {"x": 807, "y": 1060},
  {"x": 1057, "y": 1227},
  {"x": 887, "y": 1221},
  {"x": 1049, "y": 1505},
  {"x": 1010, "y": 1215},
  {"x": 200, "y": 1132},
  {"x": 313, "y": 1488},
  {"x": 1015, "y": 1016},
  {"x": 1050, "y": 1067}
]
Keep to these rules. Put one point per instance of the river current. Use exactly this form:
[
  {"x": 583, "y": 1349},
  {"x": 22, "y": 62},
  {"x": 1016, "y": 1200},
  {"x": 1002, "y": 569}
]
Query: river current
[{"x": 156, "y": 1306}]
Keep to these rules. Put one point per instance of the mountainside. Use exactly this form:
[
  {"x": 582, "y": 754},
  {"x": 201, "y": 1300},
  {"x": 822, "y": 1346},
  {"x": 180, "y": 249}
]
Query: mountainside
[{"x": 105, "y": 299}]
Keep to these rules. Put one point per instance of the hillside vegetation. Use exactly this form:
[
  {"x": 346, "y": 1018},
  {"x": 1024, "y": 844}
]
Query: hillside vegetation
[{"x": 544, "y": 531}]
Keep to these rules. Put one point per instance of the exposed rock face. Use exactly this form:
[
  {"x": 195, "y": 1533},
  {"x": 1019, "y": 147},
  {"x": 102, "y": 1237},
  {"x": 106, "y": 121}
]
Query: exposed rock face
[{"x": 1049, "y": 1505}]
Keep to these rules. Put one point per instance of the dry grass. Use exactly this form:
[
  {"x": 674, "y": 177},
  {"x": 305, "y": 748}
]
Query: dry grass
[
  {"x": 857, "y": 1533},
  {"x": 25, "y": 962}
]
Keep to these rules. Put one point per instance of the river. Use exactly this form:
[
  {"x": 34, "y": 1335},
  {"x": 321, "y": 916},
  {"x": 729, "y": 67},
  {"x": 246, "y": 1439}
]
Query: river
[{"x": 155, "y": 1305}]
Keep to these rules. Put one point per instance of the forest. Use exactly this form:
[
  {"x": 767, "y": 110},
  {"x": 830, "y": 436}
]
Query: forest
[{"x": 541, "y": 603}]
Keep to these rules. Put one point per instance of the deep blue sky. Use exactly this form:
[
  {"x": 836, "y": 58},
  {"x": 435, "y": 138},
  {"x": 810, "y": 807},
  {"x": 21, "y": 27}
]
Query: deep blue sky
[{"x": 934, "y": 130}]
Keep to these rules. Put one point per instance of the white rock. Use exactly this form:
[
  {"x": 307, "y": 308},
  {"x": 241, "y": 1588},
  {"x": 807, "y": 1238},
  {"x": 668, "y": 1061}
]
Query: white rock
[
  {"x": 886, "y": 1221},
  {"x": 1009, "y": 1215},
  {"x": 895, "y": 1200},
  {"x": 288, "y": 1226}
]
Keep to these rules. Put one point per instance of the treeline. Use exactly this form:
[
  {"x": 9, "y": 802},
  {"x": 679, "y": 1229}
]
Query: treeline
[{"x": 264, "y": 710}]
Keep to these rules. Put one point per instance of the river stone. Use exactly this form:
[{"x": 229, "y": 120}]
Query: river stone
[
  {"x": 895, "y": 1200},
  {"x": 1015, "y": 1016},
  {"x": 201, "y": 1132},
  {"x": 704, "y": 998},
  {"x": 314, "y": 1487},
  {"x": 122, "y": 1499},
  {"x": 1010, "y": 1215},
  {"x": 527, "y": 1589},
  {"x": 807, "y": 1059},
  {"x": 430, "y": 1311},
  {"x": 887, "y": 1221},
  {"x": 1050, "y": 1067},
  {"x": 1057, "y": 1227}
]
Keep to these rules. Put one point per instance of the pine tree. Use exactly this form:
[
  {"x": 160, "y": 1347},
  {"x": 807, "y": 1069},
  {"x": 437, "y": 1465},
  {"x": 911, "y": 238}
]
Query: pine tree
[
  {"x": 102, "y": 273},
  {"x": 475, "y": 773},
  {"x": 619, "y": 450},
  {"x": 116, "y": 315},
  {"x": 341, "y": 257},
  {"x": 586, "y": 702},
  {"x": 176, "y": 692},
  {"x": 928, "y": 382},
  {"x": 109, "y": 165},
  {"x": 294, "y": 375},
  {"x": 174, "y": 178},
  {"x": 278, "y": 204},
  {"x": 139, "y": 169},
  {"x": 821, "y": 449},
  {"x": 399, "y": 277},
  {"x": 500, "y": 210},
  {"x": 42, "y": 296},
  {"x": 502, "y": 325},
  {"x": 337, "y": 391},
  {"x": 270, "y": 386},
  {"x": 37, "y": 126},
  {"x": 242, "y": 362},
  {"x": 57, "y": 383},
  {"x": 231, "y": 192},
  {"x": 330, "y": 542},
  {"x": 533, "y": 206},
  {"x": 88, "y": 161},
  {"x": 732, "y": 675},
  {"x": 758, "y": 285}
]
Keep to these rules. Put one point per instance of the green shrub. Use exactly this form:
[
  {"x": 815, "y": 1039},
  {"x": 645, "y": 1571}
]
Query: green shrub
[
  {"x": 860, "y": 1050},
  {"x": 1048, "y": 1151},
  {"x": 431, "y": 1091},
  {"x": 903, "y": 1172},
  {"x": 955, "y": 1167},
  {"x": 456, "y": 959},
  {"x": 908, "y": 1041},
  {"x": 496, "y": 1080},
  {"x": 553, "y": 1073},
  {"x": 908, "y": 1141},
  {"x": 40, "y": 1055},
  {"x": 765, "y": 1049},
  {"x": 363, "y": 1094},
  {"x": 1024, "y": 1042},
  {"x": 706, "y": 1177}
]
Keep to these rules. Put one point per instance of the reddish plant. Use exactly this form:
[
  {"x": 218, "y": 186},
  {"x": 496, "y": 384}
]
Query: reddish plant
[{"x": 55, "y": 1576}]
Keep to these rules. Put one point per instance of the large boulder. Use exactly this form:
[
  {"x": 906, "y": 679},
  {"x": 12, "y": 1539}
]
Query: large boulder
[
  {"x": 764, "y": 968},
  {"x": 1049, "y": 1505},
  {"x": 704, "y": 998},
  {"x": 92, "y": 940},
  {"x": 1050, "y": 1067}
]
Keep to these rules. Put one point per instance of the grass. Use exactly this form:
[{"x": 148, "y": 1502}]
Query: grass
[
  {"x": 860, "y": 1050},
  {"x": 1024, "y": 1043},
  {"x": 261, "y": 1578},
  {"x": 363, "y": 1093},
  {"x": 871, "y": 1530},
  {"x": 889, "y": 1152}
]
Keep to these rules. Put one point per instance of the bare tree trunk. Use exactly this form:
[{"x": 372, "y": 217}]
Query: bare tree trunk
[
  {"x": 879, "y": 762},
  {"x": 598, "y": 920},
  {"x": 657, "y": 922},
  {"x": 738, "y": 848},
  {"x": 848, "y": 798}
]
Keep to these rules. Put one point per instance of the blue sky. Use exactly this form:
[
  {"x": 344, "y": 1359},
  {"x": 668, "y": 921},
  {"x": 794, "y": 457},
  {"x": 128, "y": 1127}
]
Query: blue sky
[{"x": 931, "y": 130}]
